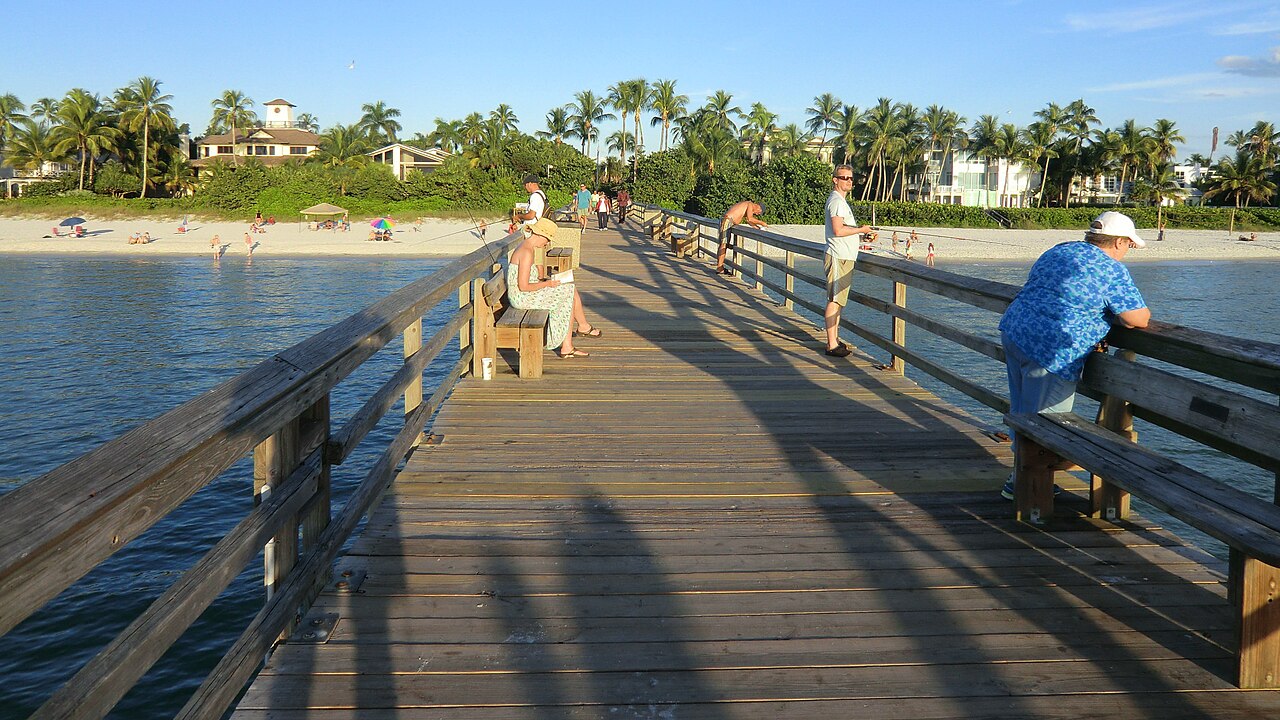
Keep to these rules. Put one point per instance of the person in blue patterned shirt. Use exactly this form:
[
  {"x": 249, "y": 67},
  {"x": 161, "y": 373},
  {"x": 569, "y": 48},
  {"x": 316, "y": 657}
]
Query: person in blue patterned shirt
[{"x": 1073, "y": 294}]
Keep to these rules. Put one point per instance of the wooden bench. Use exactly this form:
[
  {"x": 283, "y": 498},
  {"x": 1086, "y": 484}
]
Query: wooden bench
[
  {"x": 500, "y": 326},
  {"x": 1248, "y": 525}
]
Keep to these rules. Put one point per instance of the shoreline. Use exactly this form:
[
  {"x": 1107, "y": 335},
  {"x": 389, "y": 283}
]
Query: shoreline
[{"x": 427, "y": 238}]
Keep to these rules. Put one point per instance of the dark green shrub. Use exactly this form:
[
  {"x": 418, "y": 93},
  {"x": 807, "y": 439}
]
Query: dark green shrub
[
  {"x": 228, "y": 187},
  {"x": 113, "y": 179},
  {"x": 793, "y": 190},
  {"x": 665, "y": 178},
  {"x": 713, "y": 194}
]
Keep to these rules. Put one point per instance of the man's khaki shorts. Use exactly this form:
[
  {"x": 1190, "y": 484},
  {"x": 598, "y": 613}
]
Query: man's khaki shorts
[
  {"x": 839, "y": 278},
  {"x": 582, "y": 214},
  {"x": 726, "y": 238}
]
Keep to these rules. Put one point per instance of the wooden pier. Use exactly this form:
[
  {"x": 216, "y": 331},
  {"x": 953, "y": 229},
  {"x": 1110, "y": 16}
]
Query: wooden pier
[{"x": 708, "y": 518}]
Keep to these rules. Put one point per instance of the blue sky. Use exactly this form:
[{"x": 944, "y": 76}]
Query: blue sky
[{"x": 1203, "y": 63}]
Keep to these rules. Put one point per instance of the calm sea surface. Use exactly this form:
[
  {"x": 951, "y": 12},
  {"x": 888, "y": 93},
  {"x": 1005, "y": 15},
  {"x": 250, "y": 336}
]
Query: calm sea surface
[{"x": 90, "y": 347}]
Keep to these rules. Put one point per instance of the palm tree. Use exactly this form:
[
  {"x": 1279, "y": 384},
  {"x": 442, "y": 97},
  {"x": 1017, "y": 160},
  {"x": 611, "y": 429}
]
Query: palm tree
[
  {"x": 379, "y": 120},
  {"x": 447, "y": 135},
  {"x": 472, "y": 129},
  {"x": 1243, "y": 177},
  {"x": 706, "y": 140},
  {"x": 723, "y": 110},
  {"x": 83, "y": 127},
  {"x": 760, "y": 125},
  {"x": 823, "y": 115},
  {"x": 233, "y": 110},
  {"x": 1264, "y": 141},
  {"x": 557, "y": 125},
  {"x": 1082, "y": 118},
  {"x": 1164, "y": 135},
  {"x": 846, "y": 137},
  {"x": 505, "y": 117},
  {"x": 10, "y": 115},
  {"x": 1101, "y": 155},
  {"x": 1163, "y": 184},
  {"x": 146, "y": 107},
  {"x": 1037, "y": 142},
  {"x": 30, "y": 146},
  {"x": 623, "y": 97},
  {"x": 179, "y": 176},
  {"x": 1198, "y": 159},
  {"x": 343, "y": 146},
  {"x": 44, "y": 108},
  {"x": 789, "y": 141},
  {"x": 1135, "y": 148},
  {"x": 588, "y": 112},
  {"x": 669, "y": 106},
  {"x": 907, "y": 145},
  {"x": 618, "y": 142},
  {"x": 643, "y": 96},
  {"x": 879, "y": 130},
  {"x": 308, "y": 122}
]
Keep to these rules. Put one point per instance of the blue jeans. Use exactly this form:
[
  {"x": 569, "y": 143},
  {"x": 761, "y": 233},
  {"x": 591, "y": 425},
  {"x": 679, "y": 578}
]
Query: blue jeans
[{"x": 1032, "y": 389}]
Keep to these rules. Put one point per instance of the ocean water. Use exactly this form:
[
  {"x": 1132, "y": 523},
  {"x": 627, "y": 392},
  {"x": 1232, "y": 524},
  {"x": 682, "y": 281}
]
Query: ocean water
[{"x": 91, "y": 347}]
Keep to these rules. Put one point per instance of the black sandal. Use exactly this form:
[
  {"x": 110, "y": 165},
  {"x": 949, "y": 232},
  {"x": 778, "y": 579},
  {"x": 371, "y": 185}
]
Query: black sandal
[{"x": 594, "y": 332}]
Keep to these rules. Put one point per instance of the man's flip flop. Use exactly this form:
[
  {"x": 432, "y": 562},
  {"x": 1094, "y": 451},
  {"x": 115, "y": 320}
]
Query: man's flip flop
[
  {"x": 594, "y": 332},
  {"x": 574, "y": 354}
]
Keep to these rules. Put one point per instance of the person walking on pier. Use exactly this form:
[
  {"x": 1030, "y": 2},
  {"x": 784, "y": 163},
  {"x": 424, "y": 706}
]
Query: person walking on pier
[
  {"x": 842, "y": 253},
  {"x": 624, "y": 202},
  {"x": 602, "y": 210},
  {"x": 742, "y": 212},
  {"x": 1073, "y": 295},
  {"x": 584, "y": 202}
]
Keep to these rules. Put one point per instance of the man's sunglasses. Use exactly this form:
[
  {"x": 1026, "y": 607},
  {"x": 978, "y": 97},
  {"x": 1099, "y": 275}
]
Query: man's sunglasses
[{"x": 843, "y": 177}]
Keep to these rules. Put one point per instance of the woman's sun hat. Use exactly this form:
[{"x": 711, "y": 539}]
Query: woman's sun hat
[{"x": 543, "y": 227}]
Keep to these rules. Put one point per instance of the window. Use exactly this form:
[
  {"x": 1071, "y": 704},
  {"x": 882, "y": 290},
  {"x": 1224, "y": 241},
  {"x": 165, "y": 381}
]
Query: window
[
  {"x": 259, "y": 150},
  {"x": 297, "y": 150},
  {"x": 224, "y": 150},
  {"x": 271, "y": 149}
]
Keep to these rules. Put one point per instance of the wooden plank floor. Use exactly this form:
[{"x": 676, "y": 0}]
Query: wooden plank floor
[{"x": 708, "y": 518}]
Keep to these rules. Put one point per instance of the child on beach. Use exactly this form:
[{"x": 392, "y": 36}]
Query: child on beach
[
  {"x": 928, "y": 259},
  {"x": 248, "y": 244},
  {"x": 912, "y": 239},
  {"x": 895, "y": 241},
  {"x": 216, "y": 245}
]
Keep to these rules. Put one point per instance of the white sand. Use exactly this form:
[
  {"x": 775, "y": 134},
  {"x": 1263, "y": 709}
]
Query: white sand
[{"x": 451, "y": 237}]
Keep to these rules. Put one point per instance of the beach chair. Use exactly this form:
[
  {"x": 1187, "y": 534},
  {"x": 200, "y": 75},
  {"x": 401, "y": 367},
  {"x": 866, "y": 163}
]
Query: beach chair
[
  {"x": 55, "y": 231},
  {"x": 79, "y": 231}
]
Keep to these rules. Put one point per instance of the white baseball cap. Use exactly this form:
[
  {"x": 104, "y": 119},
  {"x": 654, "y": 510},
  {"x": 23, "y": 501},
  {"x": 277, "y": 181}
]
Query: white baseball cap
[{"x": 1116, "y": 224}]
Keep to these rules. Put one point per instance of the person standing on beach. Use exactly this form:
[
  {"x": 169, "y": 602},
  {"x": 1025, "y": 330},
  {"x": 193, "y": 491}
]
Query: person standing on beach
[
  {"x": 584, "y": 202},
  {"x": 537, "y": 201},
  {"x": 928, "y": 259},
  {"x": 742, "y": 212},
  {"x": 1073, "y": 295},
  {"x": 842, "y": 253},
  {"x": 248, "y": 244}
]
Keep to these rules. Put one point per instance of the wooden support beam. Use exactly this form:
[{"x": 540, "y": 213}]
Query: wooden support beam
[
  {"x": 899, "y": 327},
  {"x": 1257, "y": 602},
  {"x": 1107, "y": 500},
  {"x": 486, "y": 340},
  {"x": 274, "y": 459},
  {"x": 1033, "y": 481}
]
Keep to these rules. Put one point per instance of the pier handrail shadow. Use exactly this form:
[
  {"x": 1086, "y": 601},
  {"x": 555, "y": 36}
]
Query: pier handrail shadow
[
  {"x": 58, "y": 527},
  {"x": 1229, "y": 417}
]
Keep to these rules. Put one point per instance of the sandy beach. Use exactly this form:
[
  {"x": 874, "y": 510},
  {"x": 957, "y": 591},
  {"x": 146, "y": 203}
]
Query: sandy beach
[{"x": 451, "y": 238}]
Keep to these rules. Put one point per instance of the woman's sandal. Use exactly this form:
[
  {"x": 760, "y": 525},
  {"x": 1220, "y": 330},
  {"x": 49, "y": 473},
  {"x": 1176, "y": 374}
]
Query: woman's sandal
[
  {"x": 594, "y": 332},
  {"x": 574, "y": 354}
]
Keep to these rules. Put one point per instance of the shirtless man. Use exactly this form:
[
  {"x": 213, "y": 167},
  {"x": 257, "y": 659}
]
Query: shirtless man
[{"x": 743, "y": 212}]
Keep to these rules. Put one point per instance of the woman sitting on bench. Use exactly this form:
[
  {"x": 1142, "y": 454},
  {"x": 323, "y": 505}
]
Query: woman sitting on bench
[{"x": 527, "y": 292}]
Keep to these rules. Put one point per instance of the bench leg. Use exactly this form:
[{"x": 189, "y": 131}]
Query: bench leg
[
  {"x": 1033, "y": 481},
  {"x": 531, "y": 342},
  {"x": 1257, "y": 603},
  {"x": 1108, "y": 501}
]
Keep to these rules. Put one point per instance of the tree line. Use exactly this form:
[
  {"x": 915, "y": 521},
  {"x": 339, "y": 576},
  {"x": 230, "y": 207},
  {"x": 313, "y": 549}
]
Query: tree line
[{"x": 892, "y": 146}]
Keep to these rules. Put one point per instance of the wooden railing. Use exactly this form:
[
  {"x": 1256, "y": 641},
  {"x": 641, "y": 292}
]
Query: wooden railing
[
  {"x": 1125, "y": 387},
  {"x": 63, "y": 524}
]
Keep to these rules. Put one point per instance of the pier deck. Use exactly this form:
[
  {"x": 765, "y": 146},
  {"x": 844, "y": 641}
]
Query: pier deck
[{"x": 708, "y": 518}]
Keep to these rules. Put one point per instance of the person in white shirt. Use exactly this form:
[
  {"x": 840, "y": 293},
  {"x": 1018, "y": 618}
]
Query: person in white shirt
[
  {"x": 842, "y": 253},
  {"x": 537, "y": 201}
]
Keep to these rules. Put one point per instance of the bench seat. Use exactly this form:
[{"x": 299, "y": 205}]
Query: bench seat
[
  {"x": 1249, "y": 525},
  {"x": 500, "y": 326}
]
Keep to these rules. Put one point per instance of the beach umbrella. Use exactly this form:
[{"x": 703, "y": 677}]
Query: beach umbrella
[
  {"x": 72, "y": 221},
  {"x": 383, "y": 223}
]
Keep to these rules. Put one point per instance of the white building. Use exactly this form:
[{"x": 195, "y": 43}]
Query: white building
[
  {"x": 273, "y": 141},
  {"x": 965, "y": 179},
  {"x": 13, "y": 181},
  {"x": 404, "y": 159}
]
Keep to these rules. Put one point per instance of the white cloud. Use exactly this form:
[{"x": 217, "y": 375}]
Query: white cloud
[
  {"x": 1267, "y": 65},
  {"x": 1143, "y": 18},
  {"x": 1172, "y": 81},
  {"x": 1262, "y": 27}
]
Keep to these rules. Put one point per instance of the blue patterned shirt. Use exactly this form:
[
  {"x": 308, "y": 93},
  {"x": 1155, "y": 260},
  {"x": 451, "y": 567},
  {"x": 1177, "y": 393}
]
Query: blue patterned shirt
[{"x": 1065, "y": 307}]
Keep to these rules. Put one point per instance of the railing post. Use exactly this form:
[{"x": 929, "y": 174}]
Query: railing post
[
  {"x": 464, "y": 333},
  {"x": 413, "y": 391},
  {"x": 667, "y": 222},
  {"x": 899, "y": 328},
  {"x": 274, "y": 459},
  {"x": 1108, "y": 501},
  {"x": 790, "y": 280},
  {"x": 486, "y": 344},
  {"x": 759, "y": 266},
  {"x": 316, "y": 428}
]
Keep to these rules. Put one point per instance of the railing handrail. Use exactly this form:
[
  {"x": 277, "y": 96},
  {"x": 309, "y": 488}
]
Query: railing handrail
[{"x": 61, "y": 525}]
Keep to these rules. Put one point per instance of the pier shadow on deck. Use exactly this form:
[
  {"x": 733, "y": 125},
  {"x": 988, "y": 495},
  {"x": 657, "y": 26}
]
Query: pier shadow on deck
[{"x": 710, "y": 519}]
